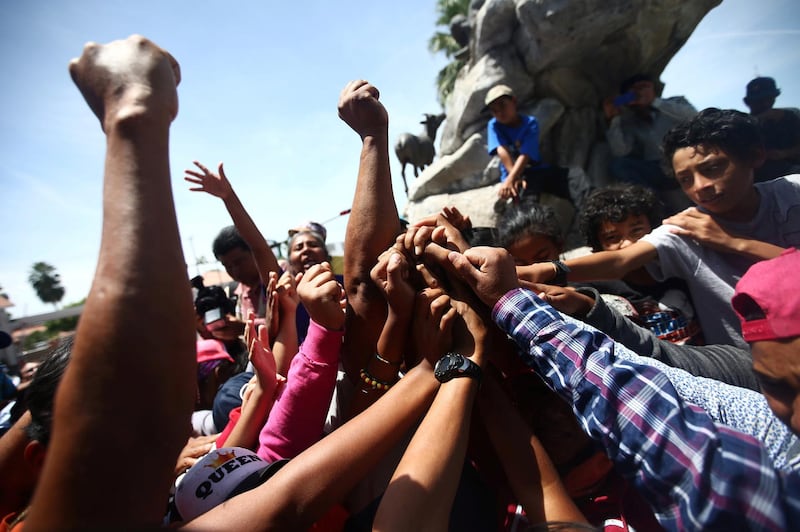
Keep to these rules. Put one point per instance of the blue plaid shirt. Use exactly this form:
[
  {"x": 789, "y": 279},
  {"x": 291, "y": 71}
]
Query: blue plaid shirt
[{"x": 695, "y": 473}]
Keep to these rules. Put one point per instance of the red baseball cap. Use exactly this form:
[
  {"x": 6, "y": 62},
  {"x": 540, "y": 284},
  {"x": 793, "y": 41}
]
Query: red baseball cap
[{"x": 767, "y": 298}]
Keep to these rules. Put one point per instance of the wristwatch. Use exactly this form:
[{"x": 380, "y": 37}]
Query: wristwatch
[
  {"x": 562, "y": 270},
  {"x": 453, "y": 365}
]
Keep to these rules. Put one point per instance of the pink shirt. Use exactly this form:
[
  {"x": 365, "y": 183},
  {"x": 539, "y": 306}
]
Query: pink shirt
[{"x": 298, "y": 415}]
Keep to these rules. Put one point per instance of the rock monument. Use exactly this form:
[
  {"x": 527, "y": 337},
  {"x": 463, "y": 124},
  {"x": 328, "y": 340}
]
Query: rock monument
[{"x": 561, "y": 57}]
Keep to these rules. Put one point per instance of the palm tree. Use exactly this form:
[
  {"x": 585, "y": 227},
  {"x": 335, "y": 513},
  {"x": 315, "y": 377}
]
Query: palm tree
[
  {"x": 443, "y": 41},
  {"x": 46, "y": 282}
]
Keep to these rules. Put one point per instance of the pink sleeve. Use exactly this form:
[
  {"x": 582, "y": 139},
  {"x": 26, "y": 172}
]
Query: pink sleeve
[{"x": 297, "y": 418}]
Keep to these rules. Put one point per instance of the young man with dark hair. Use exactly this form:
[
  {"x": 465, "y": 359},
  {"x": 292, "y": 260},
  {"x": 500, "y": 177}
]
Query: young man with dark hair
[{"x": 734, "y": 224}]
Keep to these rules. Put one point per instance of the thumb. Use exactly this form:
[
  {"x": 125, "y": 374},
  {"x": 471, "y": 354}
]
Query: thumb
[
  {"x": 394, "y": 270},
  {"x": 465, "y": 267}
]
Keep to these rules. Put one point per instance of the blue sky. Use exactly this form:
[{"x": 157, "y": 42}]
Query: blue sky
[{"x": 259, "y": 91}]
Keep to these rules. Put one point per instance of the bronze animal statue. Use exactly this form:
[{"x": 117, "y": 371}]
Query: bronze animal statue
[{"x": 418, "y": 149}]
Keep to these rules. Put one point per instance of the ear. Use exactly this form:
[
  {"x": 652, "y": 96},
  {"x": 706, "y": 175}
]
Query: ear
[{"x": 35, "y": 453}]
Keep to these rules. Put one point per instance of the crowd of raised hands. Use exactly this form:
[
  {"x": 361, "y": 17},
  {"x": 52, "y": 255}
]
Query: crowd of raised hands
[
  {"x": 405, "y": 407},
  {"x": 408, "y": 299}
]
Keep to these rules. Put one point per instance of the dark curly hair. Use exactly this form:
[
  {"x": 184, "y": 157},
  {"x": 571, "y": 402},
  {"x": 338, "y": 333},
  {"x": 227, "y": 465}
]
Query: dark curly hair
[
  {"x": 528, "y": 218},
  {"x": 227, "y": 240},
  {"x": 729, "y": 130},
  {"x": 614, "y": 204}
]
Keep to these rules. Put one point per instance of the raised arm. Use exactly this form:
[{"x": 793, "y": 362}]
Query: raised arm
[
  {"x": 128, "y": 341},
  {"x": 219, "y": 186},
  {"x": 373, "y": 223},
  {"x": 421, "y": 492}
]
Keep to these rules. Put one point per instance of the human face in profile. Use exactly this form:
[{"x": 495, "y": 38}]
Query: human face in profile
[
  {"x": 305, "y": 251},
  {"x": 614, "y": 236},
  {"x": 777, "y": 366},
  {"x": 717, "y": 182}
]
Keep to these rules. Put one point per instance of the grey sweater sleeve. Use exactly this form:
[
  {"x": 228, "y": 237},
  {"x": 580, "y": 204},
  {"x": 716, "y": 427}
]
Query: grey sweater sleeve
[{"x": 725, "y": 363}]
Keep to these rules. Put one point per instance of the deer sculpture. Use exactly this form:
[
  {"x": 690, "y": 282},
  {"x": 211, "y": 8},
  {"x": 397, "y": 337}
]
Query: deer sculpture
[{"x": 418, "y": 149}]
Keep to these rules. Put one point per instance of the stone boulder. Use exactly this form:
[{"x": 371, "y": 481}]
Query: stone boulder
[{"x": 561, "y": 58}]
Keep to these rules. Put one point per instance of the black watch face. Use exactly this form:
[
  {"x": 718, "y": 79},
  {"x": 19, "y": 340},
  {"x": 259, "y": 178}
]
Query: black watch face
[{"x": 446, "y": 366}]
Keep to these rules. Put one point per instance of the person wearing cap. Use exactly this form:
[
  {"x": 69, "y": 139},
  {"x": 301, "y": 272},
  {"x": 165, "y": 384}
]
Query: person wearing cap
[
  {"x": 695, "y": 474},
  {"x": 767, "y": 303},
  {"x": 637, "y": 121},
  {"x": 514, "y": 138},
  {"x": 779, "y": 127}
]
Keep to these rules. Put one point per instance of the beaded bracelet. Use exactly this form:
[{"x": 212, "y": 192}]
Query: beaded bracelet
[
  {"x": 381, "y": 359},
  {"x": 374, "y": 383}
]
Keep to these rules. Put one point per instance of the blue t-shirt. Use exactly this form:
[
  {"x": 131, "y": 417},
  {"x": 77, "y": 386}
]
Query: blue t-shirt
[{"x": 523, "y": 139}]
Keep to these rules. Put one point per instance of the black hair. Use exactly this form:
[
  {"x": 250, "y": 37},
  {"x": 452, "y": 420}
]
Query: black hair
[
  {"x": 480, "y": 236},
  {"x": 227, "y": 240},
  {"x": 42, "y": 391},
  {"x": 528, "y": 218},
  {"x": 614, "y": 204},
  {"x": 626, "y": 85},
  {"x": 734, "y": 132}
]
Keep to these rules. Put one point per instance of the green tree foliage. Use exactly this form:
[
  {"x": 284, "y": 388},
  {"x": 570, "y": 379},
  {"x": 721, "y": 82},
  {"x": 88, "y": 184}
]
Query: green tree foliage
[
  {"x": 47, "y": 283},
  {"x": 64, "y": 324},
  {"x": 443, "y": 41}
]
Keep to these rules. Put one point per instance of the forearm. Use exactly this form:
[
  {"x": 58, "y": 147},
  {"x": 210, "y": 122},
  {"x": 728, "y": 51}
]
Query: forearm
[
  {"x": 254, "y": 414},
  {"x": 754, "y": 249},
  {"x": 298, "y": 416},
  {"x": 371, "y": 228},
  {"x": 516, "y": 171},
  {"x": 286, "y": 343},
  {"x": 579, "y": 363},
  {"x": 112, "y": 360},
  {"x": 427, "y": 476},
  {"x": 391, "y": 348},
  {"x": 263, "y": 254},
  {"x": 306, "y": 487},
  {"x": 530, "y": 472}
]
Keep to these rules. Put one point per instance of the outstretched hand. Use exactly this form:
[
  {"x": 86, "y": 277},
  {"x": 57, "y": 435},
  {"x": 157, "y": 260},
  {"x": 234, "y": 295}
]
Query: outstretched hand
[
  {"x": 207, "y": 181},
  {"x": 130, "y": 79},
  {"x": 360, "y": 108},
  {"x": 490, "y": 272}
]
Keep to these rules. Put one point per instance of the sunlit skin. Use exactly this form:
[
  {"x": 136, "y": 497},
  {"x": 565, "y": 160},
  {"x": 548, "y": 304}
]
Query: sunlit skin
[
  {"x": 306, "y": 250},
  {"x": 504, "y": 109},
  {"x": 718, "y": 183},
  {"x": 619, "y": 235},
  {"x": 777, "y": 367},
  {"x": 533, "y": 248},
  {"x": 241, "y": 266}
]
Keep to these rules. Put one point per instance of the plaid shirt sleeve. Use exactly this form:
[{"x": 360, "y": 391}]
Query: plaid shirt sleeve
[{"x": 695, "y": 473}]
